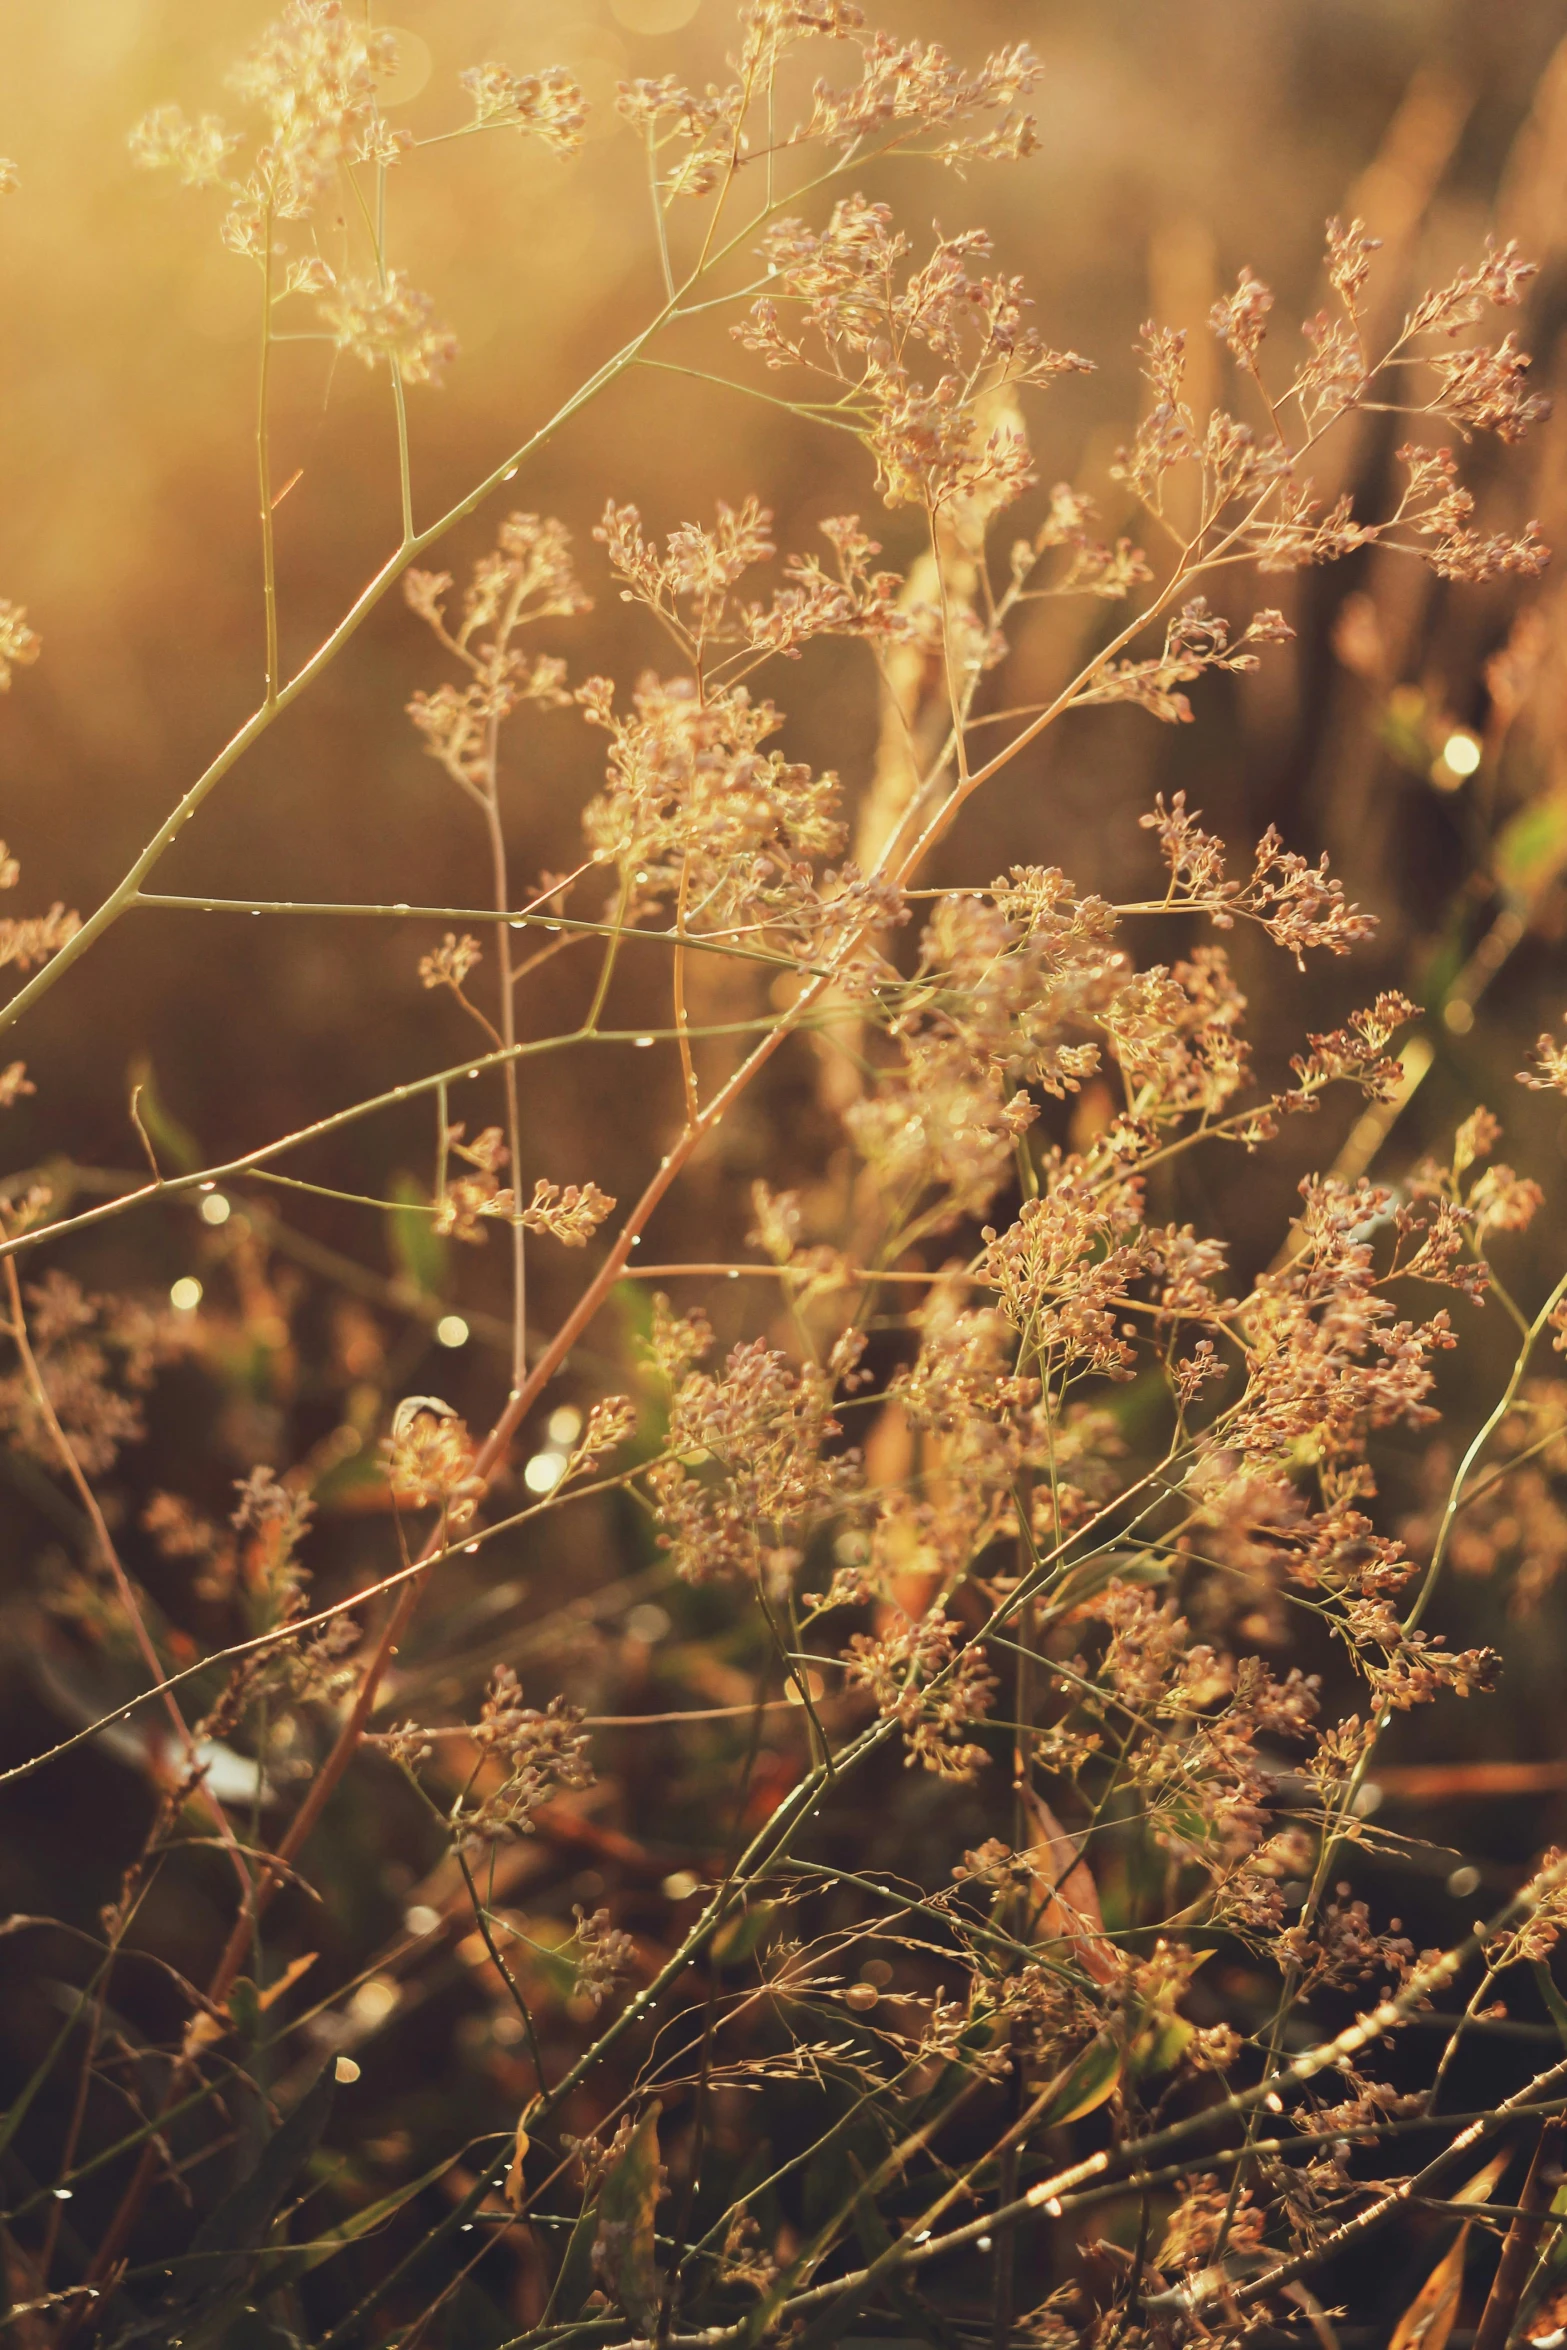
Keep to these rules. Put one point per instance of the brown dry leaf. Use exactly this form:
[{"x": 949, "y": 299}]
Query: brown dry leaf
[
  {"x": 513, "y": 2187},
  {"x": 288, "y": 1978},
  {"x": 1085, "y": 2084},
  {"x": 1478, "y": 2189},
  {"x": 1064, "y": 1887},
  {"x": 1429, "y": 2319},
  {"x": 623, "y": 2259},
  {"x": 892, "y": 1451},
  {"x": 888, "y": 1450},
  {"x": 205, "y": 2027},
  {"x": 1314, "y": 2313},
  {"x": 1437, "y": 1782},
  {"x": 1427, "y": 2322}
]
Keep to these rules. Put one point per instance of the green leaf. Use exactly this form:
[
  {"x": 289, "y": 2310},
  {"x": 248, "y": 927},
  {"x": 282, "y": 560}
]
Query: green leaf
[
  {"x": 176, "y": 1146},
  {"x": 623, "y": 2247},
  {"x": 11, "y": 2120},
  {"x": 876, "y": 2240},
  {"x": 420, "y": 1253},
  {"x": 1087, "y": 2081},
  {"x": 743, "y": 1934},
  {"x": 633, "y": 1301},
  {"x": 574, "y": 2277},
  {"x": 251, "y": 2330},
  {"x": 1531, "y": 849},
  {"x": 1430, "y": 2316},
  {"x": 224, "y": 2250},
  {"x": 475, "y": 2322},
  {"x": 1554, "y": 2001},
  {"x": 365, "y": 2223},
  {"x": 1406, "y": 729},
  {"x": 1159, "y": 2045},
  {"x": 245, "y": 2008},
  {"x": 1556, "y": 2249},
  {"x": 1090, "y": 1576}
]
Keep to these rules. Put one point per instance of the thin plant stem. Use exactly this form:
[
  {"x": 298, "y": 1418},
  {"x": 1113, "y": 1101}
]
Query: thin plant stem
[
  {"x": 263, "y": 478},
  {"x": 125, "y": 1589}
]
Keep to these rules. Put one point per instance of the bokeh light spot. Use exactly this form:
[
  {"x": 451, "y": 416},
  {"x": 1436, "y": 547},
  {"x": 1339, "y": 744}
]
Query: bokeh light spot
[
  {"x": 653, "y": 16},
  {"x": 412, "y": 66},
  {"x": 544, "y": 1471}
]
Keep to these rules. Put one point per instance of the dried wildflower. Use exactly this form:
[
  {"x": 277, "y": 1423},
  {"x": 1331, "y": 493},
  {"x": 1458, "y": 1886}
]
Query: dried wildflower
[
  {"x": 1434, "y": 507},
  {"x": 1496, "y": 282},
  {"x": 741, "y": 2260},
  {"x": 1349, "y": 259},
  {"x": 1357, "y": 1052},
  {"x": 550, "y": 104},
  {"x": 1195, "y": 642},
  {"x": 856, "y": 601},
  {"x": 1483, "y": 390},
  {"x": 1422, "y": 1670},
  {"x": 1300, "y": 906},
  {"x": 929, "y": 446},
  {"x": 699, "y": 126},
  {"x": 265, "y": 1502},
  {"x": 270, "y": 1518},
  {"x": 20, "y": 645},
  {"x": 525, "y": 578},
  {"x": 692, "y": 586},
  {"x": 1500, "y": 1201},
  {"x": 916, "y": 84},
  {"x": 14, "y": 1083},
  {"x": 538, "y": 1752},
  {"x": 1549, "y": 1071},
  {"x": 1517, "y": 1517},
  {"x": 465, "y": 1201},
  {"x": 1084, "y": 1461},
  {"x": 748, "y": 1474},
  {"x": 572, "y": 1215},
  {"x": 97, "y": 1357},
  {"x": 313, "y": 76},
  {"x": 1192, "y": 2232},
  {"x": 176, "y": 1528},
  {"x": 1240, "y": 319},
  {"x": 1347, "y": 1948},
  {"x": 612, "y": 1422},
  {"x": 692, "y": 796},
  {"x": 925, "y": 1677},
  {"x": 676, "y": 1343},
  {"x": 1062, "y": 1273},
  {"x": 197, "y": 151},
  {"x": 449, "y": 964},
  {"x": 429, "y": 1458},
  {"x": 1095, "y": 568},
  {"x": 34, "y": 938},
  {"x": 603, "y": 1955},
  {"x": 389, "y": 320},
  {"x": 1542, "y": 1928},
  {"x": 1335, "y": 376}
]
